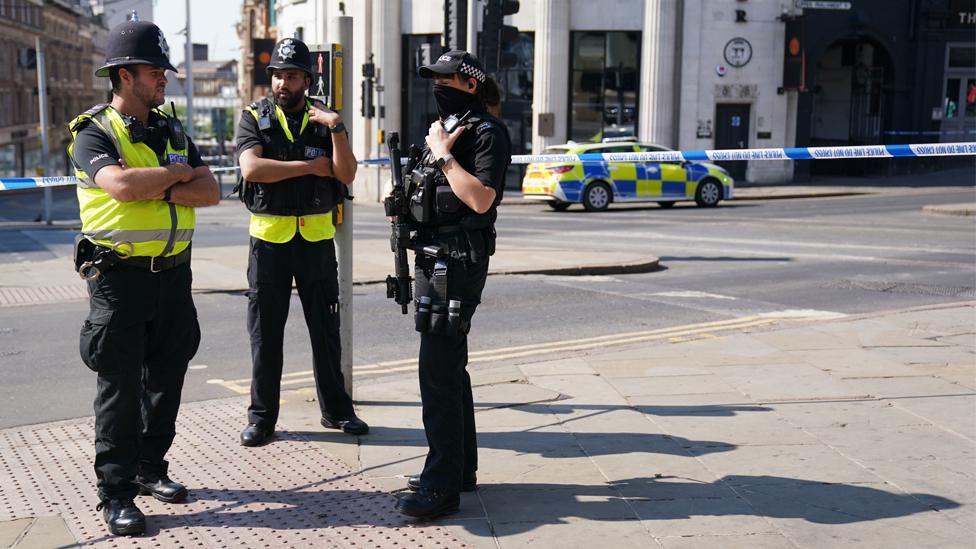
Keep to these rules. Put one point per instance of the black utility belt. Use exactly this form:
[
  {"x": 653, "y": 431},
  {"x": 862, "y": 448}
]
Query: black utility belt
[
  {"x": 156, "y": 264},
  {"x": 92, "y": 260}
]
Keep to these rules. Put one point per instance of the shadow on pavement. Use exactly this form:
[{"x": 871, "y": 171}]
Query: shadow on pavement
[{"x": 520, "y": 508}]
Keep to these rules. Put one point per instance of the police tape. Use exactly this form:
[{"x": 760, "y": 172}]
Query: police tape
[
  {"x": 793, "y": 153},
  {"x": 720, "y": 155}
]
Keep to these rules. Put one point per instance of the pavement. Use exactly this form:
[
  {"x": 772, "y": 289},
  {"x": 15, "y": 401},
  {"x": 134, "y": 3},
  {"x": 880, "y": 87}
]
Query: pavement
[{"x": 796, "y": 429}]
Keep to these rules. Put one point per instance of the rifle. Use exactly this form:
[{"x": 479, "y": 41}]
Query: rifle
[{"x": 398, "y": 287}]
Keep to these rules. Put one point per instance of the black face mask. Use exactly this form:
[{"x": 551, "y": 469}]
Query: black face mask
[{"x": 452, "y": 100}]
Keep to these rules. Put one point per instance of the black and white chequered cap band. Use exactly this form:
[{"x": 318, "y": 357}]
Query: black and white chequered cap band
[{"x": 472, "y": 71}]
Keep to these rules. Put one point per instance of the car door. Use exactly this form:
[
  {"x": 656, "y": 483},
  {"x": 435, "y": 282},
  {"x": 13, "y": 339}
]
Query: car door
[
  {"x": 623, "y": 175},
  {"x": 655, "y": 177},
  {"x": 673, "y": 179}
]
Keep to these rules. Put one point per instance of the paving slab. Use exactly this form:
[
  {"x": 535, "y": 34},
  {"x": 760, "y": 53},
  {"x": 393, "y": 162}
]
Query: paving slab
[
  {"x": 785, "y": 464},
  {"x": 45, "y": 533},
  {"x": 573, "y": 532},
  {"x": 701, "y": 517},
  {"x": 12, "y": 530},
  {"x": 747, "y": 541},
  {"x": 670, "y": 385}
]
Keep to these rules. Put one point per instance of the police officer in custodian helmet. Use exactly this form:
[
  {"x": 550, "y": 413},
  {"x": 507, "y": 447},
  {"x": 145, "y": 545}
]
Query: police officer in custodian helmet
[{"x": 139, "y": 179}]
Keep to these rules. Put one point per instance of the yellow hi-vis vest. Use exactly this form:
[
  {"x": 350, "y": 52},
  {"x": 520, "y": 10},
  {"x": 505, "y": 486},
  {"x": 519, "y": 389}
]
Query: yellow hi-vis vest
[
  {"x": 153, "y": 227},
  {"x": 282, "y": 228}
]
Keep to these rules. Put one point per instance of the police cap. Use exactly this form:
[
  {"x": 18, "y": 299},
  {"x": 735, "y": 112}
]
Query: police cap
[
  {"x": 455, "y": 61},
  {"x": 291, "y": 53},
  {"x": 136, "y": 43}
]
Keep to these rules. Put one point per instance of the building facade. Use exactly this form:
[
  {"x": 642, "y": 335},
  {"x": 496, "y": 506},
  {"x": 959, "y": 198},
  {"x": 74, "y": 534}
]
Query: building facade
[
  {"x": 688, "y": 74},
  {"x": 68, "y": 35}
]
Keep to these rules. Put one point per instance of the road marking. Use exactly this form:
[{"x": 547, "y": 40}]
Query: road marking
[
  {"x": 691, "y": 294},
  {"x": 677, "y": 334}
]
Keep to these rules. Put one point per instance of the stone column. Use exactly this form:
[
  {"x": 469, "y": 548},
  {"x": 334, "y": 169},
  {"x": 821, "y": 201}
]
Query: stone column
[
  {"x": 550, "y": 108},
  {"x": 660, "y": 79}
]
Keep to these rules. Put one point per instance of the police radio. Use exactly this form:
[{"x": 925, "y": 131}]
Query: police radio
[{"x": 177, "y": 135}]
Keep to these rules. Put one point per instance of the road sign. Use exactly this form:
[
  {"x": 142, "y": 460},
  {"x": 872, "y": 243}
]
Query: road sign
[{"x": 822, "y": 5}]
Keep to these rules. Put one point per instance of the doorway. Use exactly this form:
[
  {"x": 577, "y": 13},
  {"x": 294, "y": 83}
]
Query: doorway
[{"x": 732, "y": 132}]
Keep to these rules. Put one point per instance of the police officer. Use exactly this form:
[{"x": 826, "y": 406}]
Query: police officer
[
  {"x": 295, "y": 164},
  {"x": 451, "y": 268},
  {"x": 139, "y": 179}
]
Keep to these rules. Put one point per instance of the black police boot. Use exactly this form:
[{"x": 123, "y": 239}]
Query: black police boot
[
  {"x": 352, "y": 425},
  {"x": 122, "y": 517},
  {"x": 161, "y": 488},
  {"x": 468, "y": 484},
  {"x": 255, "y": 435},
  {"x": 428, "y": 504}
]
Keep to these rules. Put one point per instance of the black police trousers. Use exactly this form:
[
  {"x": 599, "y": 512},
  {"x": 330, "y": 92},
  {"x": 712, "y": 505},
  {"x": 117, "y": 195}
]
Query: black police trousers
[
  {"x": 445, "y": 386},
  {"x": 140, "y": 335},
  {"x": 270, "y": 270}
]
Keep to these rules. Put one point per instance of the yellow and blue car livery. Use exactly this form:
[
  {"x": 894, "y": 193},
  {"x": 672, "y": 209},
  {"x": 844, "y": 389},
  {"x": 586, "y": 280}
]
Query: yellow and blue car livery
[{"x": 595, "y": 182}]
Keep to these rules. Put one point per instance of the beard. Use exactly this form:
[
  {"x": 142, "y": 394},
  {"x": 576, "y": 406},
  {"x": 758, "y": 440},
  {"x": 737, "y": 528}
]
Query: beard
[
  {"x": 290, "y": 102},
  {"x": 147, "y": 95}
]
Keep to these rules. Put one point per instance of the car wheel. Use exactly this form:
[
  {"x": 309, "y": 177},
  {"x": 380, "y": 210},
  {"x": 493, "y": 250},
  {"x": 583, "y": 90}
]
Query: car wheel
[
  {"x": 666, "y": 204},
  {"x": 559, "y": 206},
  {"x": 597, "y": 197},
  {"x": 708, "y": 194}
]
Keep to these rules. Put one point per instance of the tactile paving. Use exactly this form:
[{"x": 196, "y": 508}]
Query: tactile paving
[{"x": 288, "y": 493}]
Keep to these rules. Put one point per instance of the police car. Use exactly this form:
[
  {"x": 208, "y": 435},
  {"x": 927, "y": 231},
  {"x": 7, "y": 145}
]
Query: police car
[{"x": 596, "y": 184}]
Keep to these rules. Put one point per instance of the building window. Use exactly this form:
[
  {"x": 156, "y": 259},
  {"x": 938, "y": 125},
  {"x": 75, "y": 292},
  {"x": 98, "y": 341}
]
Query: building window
[
  {"x": 417, "y": 96},
  {"x": 515, "y": 84},
  {"x": 604, "y": 70},
  {"x": 959, "y": 100}
]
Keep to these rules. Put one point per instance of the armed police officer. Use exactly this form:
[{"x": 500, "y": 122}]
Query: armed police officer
[
  {"x": 295, "y": 164},
  {"x": 456, "y": 185},
  {"x": 139, "y": 179}
]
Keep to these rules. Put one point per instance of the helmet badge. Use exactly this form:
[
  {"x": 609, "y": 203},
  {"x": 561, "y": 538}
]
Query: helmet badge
[
  {"x": 286, "y": 49},
  {"x": 163, "y": 46}
]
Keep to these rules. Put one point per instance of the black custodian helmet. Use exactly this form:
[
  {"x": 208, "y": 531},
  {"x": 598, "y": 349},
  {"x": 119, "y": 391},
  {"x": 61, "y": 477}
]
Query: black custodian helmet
[
  {"x": 291, "y": 53},
  {"x": 136, "y": 43}
]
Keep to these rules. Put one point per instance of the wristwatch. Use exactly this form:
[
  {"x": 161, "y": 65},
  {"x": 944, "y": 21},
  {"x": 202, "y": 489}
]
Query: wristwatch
[
  {"x": 442, "y": 161},
  {"x": 340, "y": 127}
]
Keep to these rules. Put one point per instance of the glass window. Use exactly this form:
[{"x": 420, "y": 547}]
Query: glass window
[
  {"x": 604, "y": 94},
  {"x": 962, "y": 57},
  {"x": 8, "y": 160},
  {"x": 616, "y": 149},
  {"x": 971, "y": 97},
  {"x": 949, "y": 106}
]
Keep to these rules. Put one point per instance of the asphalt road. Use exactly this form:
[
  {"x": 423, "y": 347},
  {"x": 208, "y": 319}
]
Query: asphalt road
[{"x": 846, "y": 254}]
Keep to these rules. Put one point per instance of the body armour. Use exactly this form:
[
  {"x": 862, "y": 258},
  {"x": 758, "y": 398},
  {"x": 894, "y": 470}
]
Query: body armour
[
  {"x": 432, "y": 201},
  {"x": 298, "y": 196}
]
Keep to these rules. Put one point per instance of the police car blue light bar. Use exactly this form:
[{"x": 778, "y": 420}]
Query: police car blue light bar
[{"x": 789, "y": 153}]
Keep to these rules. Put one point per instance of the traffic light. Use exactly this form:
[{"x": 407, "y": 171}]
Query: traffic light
[
  {"x": 794, "y": 57},
  {"x": 262, "y": 48},
  {"x": 496, "y": 35},
  {"x": 455, "y": 25}
]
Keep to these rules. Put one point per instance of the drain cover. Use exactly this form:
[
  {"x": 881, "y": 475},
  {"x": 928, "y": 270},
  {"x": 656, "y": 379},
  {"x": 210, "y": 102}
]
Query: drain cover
[{"x": 902, "y": 288}]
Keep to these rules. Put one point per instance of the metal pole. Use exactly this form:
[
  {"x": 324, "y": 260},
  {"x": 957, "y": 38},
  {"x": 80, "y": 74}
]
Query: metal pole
[
  {"x": 42, "y": 105},
  {"x": 340, "y": 31},
  {"x": 188, "y": 67}
]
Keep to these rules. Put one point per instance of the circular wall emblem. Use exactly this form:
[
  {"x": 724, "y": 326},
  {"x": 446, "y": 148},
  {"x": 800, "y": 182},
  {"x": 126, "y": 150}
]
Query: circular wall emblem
[{"x": 738, "y": 52}]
